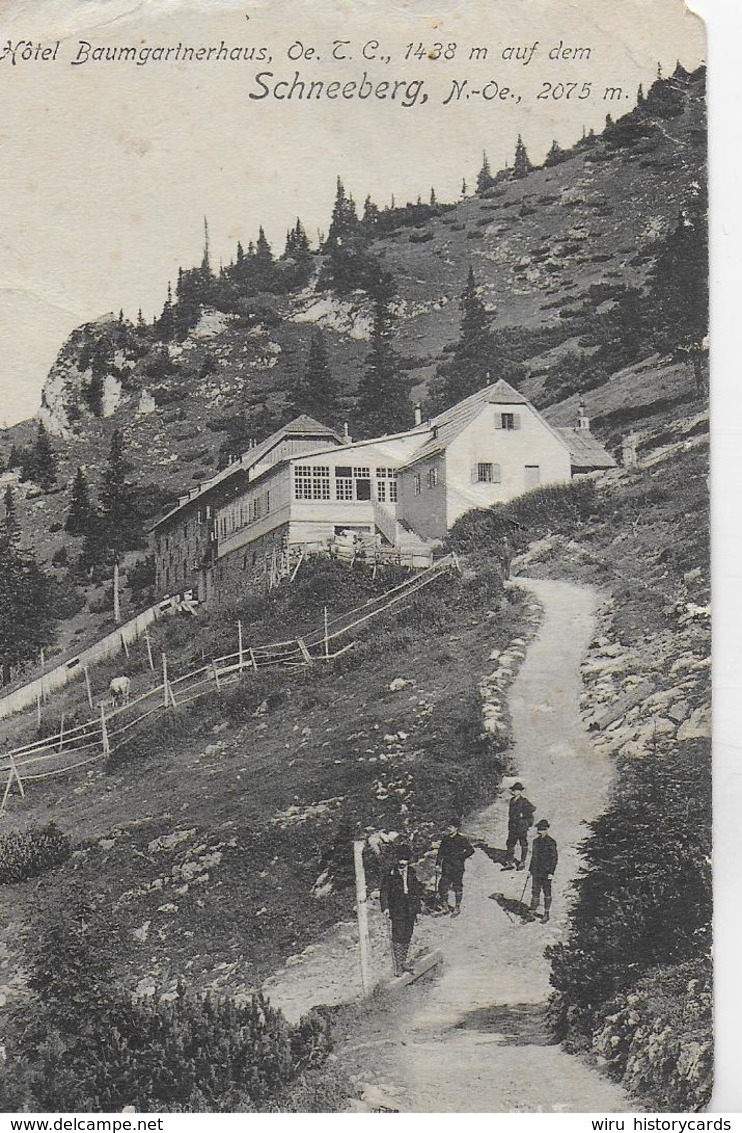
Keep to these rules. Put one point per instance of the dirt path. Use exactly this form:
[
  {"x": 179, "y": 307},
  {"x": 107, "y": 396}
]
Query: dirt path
[{"x": 473, "y": 1039}]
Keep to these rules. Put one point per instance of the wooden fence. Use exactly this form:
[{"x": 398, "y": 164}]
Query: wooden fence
[{"x": 96, "y": 739}]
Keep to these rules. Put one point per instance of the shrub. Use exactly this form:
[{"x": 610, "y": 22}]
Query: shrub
[
  {"x": 84, "y": 1044},
  {"x": 644, "y": 898},
  {"x": 28, "y": 853}
]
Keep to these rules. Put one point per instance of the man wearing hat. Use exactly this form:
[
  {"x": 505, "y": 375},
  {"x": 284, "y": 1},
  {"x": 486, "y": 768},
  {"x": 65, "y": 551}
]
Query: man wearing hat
[
  {"x": 401, "y": 895},
  {"x": 520, "y": 820},
  {"x": 544, "y": 859},
  {"x": 452, "y": 856}
]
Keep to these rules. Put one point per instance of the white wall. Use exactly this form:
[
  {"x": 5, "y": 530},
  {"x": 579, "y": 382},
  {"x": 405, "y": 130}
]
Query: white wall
[{"x": 532, "y": 443}]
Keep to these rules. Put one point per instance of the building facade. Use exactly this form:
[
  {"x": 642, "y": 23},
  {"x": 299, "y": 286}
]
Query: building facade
[{"x": 306, "y": 485}]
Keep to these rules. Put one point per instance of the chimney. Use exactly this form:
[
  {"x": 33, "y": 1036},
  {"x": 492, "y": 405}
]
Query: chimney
[
  {"x": 346, "y": 435},
  {"x": 583, "y": 421},
  {"x": 418, "y": 415}
]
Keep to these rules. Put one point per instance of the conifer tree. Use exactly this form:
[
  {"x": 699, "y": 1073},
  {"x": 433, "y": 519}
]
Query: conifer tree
[
  {"x": 383, "y": 395},
  {"x": 166, "y": 321},
  {"x": 463, "y": 188},
  {"x": 640, "y": 95},
  {"x": 14, "y": 458},
  {"x": 120, "y": 521},
  {"x": 433, "y": 199},
  {"x": 680, "y": 289},
  {"x": 78, "y": 516},
  {"x": 370, "y": 214},
  {"x": 316, "y": 392},
  {"x": 42, "y": 465},
  {"x": 344, "y": 220},
  {"x": 471, "y": 361},
  {"x": 25, "y": 596},
  {"x": 521, "y": 165},
  {"x": 263, "y": 253},
  {"x": 485, "y": 180},
  {"x": 555, "y": 154}
]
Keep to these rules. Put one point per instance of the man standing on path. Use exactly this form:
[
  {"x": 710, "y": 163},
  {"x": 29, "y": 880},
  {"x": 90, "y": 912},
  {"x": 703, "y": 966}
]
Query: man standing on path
[
  {"x": 452, "y": 855},
  {"x": 520, "y": 820},
  {"x": 401, "y": 897},
  {"x": 544, "y": 857}
]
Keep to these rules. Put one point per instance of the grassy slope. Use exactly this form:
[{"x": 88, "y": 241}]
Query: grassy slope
[{"x": 237, "y": 888}]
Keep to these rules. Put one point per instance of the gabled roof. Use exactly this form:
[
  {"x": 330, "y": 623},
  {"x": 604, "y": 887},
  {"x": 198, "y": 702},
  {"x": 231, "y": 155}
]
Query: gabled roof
[
  {"x": 301, "y": 426},
  {"x": 447, "y": 425},
  {"x": 585, "y": 450}
]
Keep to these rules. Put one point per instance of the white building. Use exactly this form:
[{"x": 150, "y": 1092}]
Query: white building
[{"x": 306, "y": 484}]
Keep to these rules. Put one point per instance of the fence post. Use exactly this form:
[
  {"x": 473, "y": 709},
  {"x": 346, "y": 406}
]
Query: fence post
[
  {"x": 87, "y": 685},
  {"x": 216, "y": 674},
  {"x": 61, "y": 732},
  {"x": 104, "y": 732},
  {"x": 38, "y": 706},
  {"x": 327, "y": 643},
  {"x": 12, "y": 774},
  {"x": 149, "y": 650},
  {"x": 362, "y": 913},
  {"x": 125, "y": 646},
  {"x": 168, "y": 698},
  {"x": 239, "y": 642}
]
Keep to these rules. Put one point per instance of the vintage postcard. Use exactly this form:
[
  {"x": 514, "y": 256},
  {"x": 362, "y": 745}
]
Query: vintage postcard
[{"x": 355, "y": 717}]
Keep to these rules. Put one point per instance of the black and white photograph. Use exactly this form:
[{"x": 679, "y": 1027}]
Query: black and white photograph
[{"x": 355, "y": 623}]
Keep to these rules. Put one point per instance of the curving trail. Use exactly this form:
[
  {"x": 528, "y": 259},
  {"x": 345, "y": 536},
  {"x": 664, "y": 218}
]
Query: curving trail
[{"x": 474, "y": 1039}]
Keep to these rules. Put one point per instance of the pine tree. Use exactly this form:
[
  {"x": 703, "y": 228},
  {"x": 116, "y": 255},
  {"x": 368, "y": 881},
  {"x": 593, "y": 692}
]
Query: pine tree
[
  {"x": 25, "y": 597},
  {"x": 370, "y": 213},
  {"x": 78, "y": 516},
  {"x": 42, "y": 465},
  {"x": 120, "y": 520},
  {"x": 383, "y": 395},
  {"x": 14, "y": 458},
  {"x": 263, "y": 253},
  {"x": 521, "y": 165},
  {"x": 555, "y": 154},
  {"x": 205, "y": 260},
  {"x": 433, "y": 199},
  {"x": 640, "y": 95},
  {"x": 680, "y": 289},
  {"x": 166, "y": 321},
  {"x": 485, "y": 180},
  {"x": 316, "y": 392},
  {"x": 463, "y": 188},
  {"x": 344, "y": 218},
  {"x": 468, "y": 369}
]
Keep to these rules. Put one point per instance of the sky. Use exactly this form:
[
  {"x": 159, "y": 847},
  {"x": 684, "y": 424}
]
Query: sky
[{"x": 108, "y": 169}]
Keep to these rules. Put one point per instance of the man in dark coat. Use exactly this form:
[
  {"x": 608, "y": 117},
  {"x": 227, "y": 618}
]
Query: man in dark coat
[
  {"x": 452, "y": 856},
  {"x": 520, "y": 820},
  {"x": 544, "y": 857},
  {"x": 401, "y": 900}
]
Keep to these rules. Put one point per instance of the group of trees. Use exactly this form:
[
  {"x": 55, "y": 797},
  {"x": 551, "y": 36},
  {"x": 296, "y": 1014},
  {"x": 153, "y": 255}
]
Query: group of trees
[
  {"x": 36, "y": 461},
  {"x": 116, "y": 523},
  {"x": 521, "y": 168}
]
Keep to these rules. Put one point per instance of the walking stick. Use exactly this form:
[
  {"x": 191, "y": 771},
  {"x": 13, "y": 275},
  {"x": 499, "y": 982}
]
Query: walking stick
[{"x": 525, "y": 885}]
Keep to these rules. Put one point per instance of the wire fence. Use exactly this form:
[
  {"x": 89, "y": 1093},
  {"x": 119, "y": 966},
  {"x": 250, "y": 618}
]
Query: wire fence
[{"x": 96, "y": 739}]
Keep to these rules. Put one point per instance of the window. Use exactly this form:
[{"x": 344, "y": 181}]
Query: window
[
  {"x": 432, "y": 477},
  {"x": 507, "y": 421},
  {"x": 343, "y": 482},
  {"x": 417, "y": 484},
  {"x": 386, "y": 485},
  {"x": 267, "y": 508},
  {"x": 312, "y": 482},
  {"x": 255, "y": 510},
  {"x": 485, "y": 473}
]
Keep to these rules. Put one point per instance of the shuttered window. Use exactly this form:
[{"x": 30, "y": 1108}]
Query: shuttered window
[
  {"x": 485, "y": 473},
  {"x": 507, "y": 421}
]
